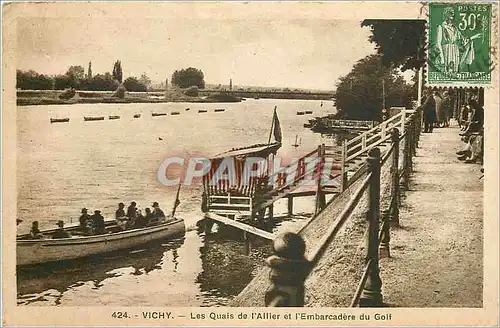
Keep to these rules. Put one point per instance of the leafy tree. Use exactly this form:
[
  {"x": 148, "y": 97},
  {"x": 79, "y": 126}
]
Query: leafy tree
[
  {"x": 100, "y": 82},
  {"x": 401, "y": 43},
  {"x": 117, "y": 71},
  {"x": 31, "y": 80},
  {"x": 133, "y": 84},
  {"x": 62, "y": 82},
  {"x": 188, "y": 77},
  {"x": 359, "y": 93},
  {"x": 144, "y": 79},
  {"x": 76, "y": 72}
]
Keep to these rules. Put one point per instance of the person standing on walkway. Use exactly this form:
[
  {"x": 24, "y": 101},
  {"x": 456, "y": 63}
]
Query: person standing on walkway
[
  {"x": 429, "y": 111},
  {"x": 446, "y": 109},
  {"x": 439, "y": 112}
]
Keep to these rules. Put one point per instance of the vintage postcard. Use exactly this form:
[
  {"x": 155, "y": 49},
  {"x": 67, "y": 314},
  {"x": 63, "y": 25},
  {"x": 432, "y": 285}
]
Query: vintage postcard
[{"x": 250, "y": 163}]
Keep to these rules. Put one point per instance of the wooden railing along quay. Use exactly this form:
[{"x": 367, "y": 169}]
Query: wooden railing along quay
[{"x": 391, "y": 144}]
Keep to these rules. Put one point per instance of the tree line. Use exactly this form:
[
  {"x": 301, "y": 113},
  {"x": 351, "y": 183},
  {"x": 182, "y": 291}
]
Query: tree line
[
  {"x": 375, "y": 81},
  {"x": 76, "y": 78}
]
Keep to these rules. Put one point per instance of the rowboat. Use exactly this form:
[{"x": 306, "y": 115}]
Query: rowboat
[
  {"x": 94, "y": 118},
  {"x": 219, "y": 110},
  {"x": 202, "y": 111},
  {"x": 36, "y": 251},
  {"x": 114, "y": 117},
  {"x": 174, "y": 113},
  {"x": 158, "y": 114},
  {"x": 308, "y": 111},
  {"x": 300, "y": 113},
  {"x": 59, "y": 120},
  {"x": 137, "y": 115}
]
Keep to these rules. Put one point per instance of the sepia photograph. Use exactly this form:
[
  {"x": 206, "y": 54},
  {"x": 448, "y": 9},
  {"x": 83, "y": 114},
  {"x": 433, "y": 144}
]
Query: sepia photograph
[{"x": 178, "y": 161}]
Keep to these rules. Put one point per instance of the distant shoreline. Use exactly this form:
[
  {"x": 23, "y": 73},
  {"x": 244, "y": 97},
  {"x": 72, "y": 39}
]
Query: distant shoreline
[{"x": 51, "y": 97}]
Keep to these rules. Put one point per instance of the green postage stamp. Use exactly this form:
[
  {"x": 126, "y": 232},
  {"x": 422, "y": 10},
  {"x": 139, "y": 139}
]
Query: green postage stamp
[{"x": 459, "y": 43}]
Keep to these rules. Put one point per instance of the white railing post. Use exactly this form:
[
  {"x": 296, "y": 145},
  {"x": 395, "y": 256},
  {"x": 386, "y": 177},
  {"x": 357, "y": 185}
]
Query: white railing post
[
  {"x": 384, "y": 125},
  {"x": 363, "y": 142}
]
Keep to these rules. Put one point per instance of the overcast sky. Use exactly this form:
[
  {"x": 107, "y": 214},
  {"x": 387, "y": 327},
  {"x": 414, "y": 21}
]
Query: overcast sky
[{"x": 297, "y": 52}]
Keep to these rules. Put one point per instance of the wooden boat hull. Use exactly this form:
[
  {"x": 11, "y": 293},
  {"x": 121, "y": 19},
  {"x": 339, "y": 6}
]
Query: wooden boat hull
[
  {"x": 202, "y": 111},
  {"x": 158, "y": 114},
  {"x": 31, "y": 252},
  {"x": 59, "y": 120},
  {"x": 217, "y": 110},
  {"x": 137, "y": 115},
  {"x": 114, "y": 117},
  {"x": 100, "y": 118}
]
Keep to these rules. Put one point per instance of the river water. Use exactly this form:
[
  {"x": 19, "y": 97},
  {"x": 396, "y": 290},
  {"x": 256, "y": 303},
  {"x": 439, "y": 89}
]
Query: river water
[{"x": 63, "y": 167}]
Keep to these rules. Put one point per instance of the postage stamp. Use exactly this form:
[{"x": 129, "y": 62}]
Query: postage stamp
[
  {"x": 459, "y": 43},
  {"x": 249, "y": 164}
]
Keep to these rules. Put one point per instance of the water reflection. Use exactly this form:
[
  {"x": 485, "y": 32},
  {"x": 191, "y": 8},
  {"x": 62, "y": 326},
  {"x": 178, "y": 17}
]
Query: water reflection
[{"x": 59, "y": 277}]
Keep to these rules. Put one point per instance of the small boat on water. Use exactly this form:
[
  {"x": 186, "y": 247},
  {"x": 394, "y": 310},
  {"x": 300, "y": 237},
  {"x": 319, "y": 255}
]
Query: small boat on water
[
  {"x": 158, "y": 114},
  {"x": 94, "y": 118},
  {"x": 174, "y": 113},
  {"x": 114, "y": 117},
  {"x": 36, "y": 251},
  {"x": 59, "y": 120},
  {"x": 308, "y": 111},
  {"x": 202, "y": 111},
  {"x": 188, "y": 109},
  {"x": 137, "y": 115},
  {"x": 219, "y": 110},
  {"x": 300, "y": 113}
]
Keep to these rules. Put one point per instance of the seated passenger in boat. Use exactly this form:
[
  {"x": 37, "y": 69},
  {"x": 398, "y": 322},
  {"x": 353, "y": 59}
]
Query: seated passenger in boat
[
  {"x": 84, "y": 218},
  {"x": 60, "y": 232},
  {"x": 132, "y": 210},
  {"x": 98, "y": 221},
  {"x": 142, "y": 220},
  {"x": 35, "y": 233},
  {"x": 120, "y": 217},
  {"x": 157, "y": 215}
]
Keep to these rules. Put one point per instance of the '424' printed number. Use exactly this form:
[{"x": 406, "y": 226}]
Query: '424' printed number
[{"x": 120, "y": 315}]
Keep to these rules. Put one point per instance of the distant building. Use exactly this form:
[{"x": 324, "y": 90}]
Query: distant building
[{"x": 230, "y": 84}]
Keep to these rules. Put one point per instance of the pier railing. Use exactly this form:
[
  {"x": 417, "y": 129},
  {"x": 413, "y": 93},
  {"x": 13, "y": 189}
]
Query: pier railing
[{"x": 290, "y": 266}]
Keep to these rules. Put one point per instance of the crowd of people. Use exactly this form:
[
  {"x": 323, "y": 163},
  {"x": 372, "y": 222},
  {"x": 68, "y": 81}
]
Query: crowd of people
[
  {"x": 471, "y": 123},
  {"x": 94, "y": 224},
  {"x": 437, "y": 108}
]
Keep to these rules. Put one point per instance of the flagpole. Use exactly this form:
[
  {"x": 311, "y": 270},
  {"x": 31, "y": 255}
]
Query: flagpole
[
  {"x": 272, "y": 125},
  {"x": 176, "y": 203}
]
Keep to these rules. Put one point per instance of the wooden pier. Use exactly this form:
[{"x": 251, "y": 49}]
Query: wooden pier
[
  {"x": 388, "y": 147},
  {"x": 331, "y": 172}
]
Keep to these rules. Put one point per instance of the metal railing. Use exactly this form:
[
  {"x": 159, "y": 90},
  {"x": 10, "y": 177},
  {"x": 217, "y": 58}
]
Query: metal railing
[{"x": 289, "y": 265}]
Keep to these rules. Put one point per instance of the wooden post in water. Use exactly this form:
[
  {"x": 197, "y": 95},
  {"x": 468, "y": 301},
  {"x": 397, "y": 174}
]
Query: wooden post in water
[
  {"x": 320, "y": 196},
  {"x": 248, "y": 243},
  {"x": 372, "y": 295},
  {"x": 289, "y": 269},
  {"x": 290, "y": 205},
  {"x": 394, "y": 214},
  {"x": 270, "y": 216},
  {"x": 343, "y": 168}
]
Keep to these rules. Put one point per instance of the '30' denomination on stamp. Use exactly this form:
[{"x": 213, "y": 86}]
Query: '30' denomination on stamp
[{"x": 459, "y": 44}]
